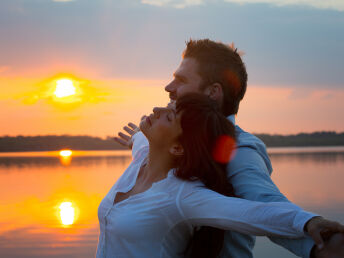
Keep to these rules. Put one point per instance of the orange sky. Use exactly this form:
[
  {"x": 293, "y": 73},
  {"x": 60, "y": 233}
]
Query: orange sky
[
  {"x": 28, "y": 107},
  {"x": 121, "y": 55}
]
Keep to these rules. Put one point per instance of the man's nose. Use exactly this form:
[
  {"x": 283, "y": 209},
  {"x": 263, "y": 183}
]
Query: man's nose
[{"x": 169, "y": 87}]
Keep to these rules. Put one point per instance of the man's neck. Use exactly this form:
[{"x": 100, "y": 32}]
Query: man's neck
[{"x": 231, "y": 118}]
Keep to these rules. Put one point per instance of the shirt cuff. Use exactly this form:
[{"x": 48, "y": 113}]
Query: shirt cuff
[
  {"x": 301, "y": 219},
  {"x": 139, "y": 141}
]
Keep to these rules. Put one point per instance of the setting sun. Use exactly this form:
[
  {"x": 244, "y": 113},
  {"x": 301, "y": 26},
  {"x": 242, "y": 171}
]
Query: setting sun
[
  {"x": 67, "y": 213},
  {"x": 66, "y": 153},
  {"x": 64, "y": 88}
]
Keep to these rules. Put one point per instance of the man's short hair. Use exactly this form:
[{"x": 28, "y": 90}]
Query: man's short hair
[{"x": 220, "y": 63}]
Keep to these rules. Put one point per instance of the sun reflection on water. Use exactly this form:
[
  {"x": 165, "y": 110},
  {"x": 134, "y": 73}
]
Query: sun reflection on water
[
  {"x": 67, "y": 213},
  {"x": 66, "y": 157}
]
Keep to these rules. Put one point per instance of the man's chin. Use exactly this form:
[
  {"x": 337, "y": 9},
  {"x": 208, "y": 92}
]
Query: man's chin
[
  {"x": 172, "y": 104},
  {"x": 173, "y": 97}
]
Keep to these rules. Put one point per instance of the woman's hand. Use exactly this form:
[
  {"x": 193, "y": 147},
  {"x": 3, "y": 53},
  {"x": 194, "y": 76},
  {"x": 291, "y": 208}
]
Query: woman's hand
[
  {"x": 124, "y": 139},
  {"x": 321, "y": 229}
]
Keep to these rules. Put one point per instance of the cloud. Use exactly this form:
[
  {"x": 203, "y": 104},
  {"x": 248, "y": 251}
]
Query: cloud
[
  {"x": 62, "y": 1},
  {"x": 174, "y": 3},
  {"x": 321, "y": 4},
  {"x": 130, "y": 40},
  {"x": 300, "y": 93}
]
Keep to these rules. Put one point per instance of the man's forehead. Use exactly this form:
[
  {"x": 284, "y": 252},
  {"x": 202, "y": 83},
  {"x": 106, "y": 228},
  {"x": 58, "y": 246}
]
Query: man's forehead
[
  {"x": 180, "y": 72},
  {"x": 187, "y": 65}
]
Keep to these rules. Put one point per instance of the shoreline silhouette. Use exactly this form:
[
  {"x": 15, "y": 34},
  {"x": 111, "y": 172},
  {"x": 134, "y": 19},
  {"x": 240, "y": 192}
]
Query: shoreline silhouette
[{"x": 58, "y": 142}]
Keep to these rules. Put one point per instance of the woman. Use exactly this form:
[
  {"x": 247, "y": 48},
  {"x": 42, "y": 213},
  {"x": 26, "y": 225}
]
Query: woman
[{"x": 174, "y": 185}]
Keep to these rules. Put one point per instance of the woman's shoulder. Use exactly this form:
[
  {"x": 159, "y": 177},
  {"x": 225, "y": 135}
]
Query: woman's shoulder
[{"x": 187, "y": 186}]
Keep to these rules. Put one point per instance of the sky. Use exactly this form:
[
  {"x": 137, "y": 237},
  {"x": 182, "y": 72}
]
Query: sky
[{"x": 120, "y": 55}]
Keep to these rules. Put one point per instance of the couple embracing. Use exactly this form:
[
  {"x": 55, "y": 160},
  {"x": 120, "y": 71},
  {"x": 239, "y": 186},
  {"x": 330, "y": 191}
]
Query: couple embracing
[{"x": 198, "y": 185}]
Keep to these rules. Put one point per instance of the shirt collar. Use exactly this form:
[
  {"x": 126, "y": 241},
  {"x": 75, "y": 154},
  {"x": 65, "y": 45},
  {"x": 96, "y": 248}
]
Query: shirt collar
[{"x": 231, "y": 118}]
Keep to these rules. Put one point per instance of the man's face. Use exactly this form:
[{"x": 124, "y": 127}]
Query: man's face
[{"x": 186, "y": 79}]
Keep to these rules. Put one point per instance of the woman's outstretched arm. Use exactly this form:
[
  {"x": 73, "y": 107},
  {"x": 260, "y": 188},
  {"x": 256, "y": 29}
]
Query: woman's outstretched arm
[{"x": 202, "y": 207}]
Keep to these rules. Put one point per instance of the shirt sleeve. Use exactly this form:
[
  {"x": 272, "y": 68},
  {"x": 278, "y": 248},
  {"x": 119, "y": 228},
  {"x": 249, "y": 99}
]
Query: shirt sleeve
[
  {"x": 203, "y": 207},
  {"x": 251, "y": 180},
  {"x": 139, "y": 142}
]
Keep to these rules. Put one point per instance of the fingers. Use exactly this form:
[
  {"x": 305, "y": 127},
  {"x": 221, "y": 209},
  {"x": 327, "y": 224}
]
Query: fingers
[
  {"x": 323, "y": 230},
  {"x": 334, "y": 227},
  {"x": 124, "y": 136},
  {"x": 132, "y": 130},
  {"x": 316, "y": 236},
  {"x": 128, "y": 130},
  {"x": 121, "y": 142},
  {"x": 133, "y": 126},
  {"x": 125, "y": 140},
  {"x": 334, "y": 247}
]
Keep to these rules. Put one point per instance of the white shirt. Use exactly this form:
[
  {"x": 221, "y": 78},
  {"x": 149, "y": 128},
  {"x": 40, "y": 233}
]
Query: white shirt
[{"x": 160, "y": 221}]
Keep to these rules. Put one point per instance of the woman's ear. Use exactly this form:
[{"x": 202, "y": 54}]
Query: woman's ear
[
  {"x": 214, "y": 91},
  {"x": 177, "y": 150}
]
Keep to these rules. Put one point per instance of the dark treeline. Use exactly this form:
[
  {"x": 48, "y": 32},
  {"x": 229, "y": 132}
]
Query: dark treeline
[
  {"x": 53, "y": 142},
  {"x": 303, "y": 139}
]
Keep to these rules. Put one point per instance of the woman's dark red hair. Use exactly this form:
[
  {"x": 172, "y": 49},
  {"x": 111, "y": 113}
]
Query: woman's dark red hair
[{"x": 203, "y": 125}]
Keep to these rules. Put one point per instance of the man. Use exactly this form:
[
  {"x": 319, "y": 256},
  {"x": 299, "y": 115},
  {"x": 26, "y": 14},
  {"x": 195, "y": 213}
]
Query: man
[{"x": 217, "y": 70}]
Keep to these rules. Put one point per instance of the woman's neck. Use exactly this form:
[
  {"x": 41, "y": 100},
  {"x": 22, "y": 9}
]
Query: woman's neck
[{"x": 158, "y": 165}]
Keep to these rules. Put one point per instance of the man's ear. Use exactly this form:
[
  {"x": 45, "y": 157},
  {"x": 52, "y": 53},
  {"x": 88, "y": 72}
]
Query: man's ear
[
  {"x": 177, "y": 150},
  {"x": 214, "y": 91}
]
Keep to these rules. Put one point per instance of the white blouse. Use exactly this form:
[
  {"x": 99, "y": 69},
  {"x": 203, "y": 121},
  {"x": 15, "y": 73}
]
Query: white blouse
[{"x": 160, "y": 221}]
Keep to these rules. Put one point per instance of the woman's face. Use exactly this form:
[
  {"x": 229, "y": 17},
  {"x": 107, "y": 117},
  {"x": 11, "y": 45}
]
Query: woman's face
[{"x": 162, "y": 127}]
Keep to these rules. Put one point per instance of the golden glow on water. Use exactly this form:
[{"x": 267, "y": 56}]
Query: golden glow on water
[
  {"x": 67, "y": 213},
  {"x": 49, "y": 210},
  {"x": 64, "y": 88},
  {"x": 33, "y": 185}
]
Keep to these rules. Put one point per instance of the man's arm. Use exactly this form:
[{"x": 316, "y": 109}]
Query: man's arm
[{"x": 251, "y": 180}]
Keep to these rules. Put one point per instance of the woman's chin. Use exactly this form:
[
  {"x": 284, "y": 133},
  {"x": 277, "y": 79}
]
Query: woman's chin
[{"x": 144, "y": 128}]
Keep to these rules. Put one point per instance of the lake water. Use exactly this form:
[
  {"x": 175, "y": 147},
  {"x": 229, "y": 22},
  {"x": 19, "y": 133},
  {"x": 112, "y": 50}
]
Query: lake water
[{"x": 48, "y": 204}]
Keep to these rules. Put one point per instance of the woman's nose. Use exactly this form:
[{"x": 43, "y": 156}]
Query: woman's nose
[{"x": 157, "y": 111}]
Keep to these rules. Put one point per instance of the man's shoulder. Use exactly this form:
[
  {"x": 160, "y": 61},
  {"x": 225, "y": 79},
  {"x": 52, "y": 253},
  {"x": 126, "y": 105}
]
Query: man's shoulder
[
  {"x": 250, "y": 150},
  {"x": 247, "y": 139}
]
